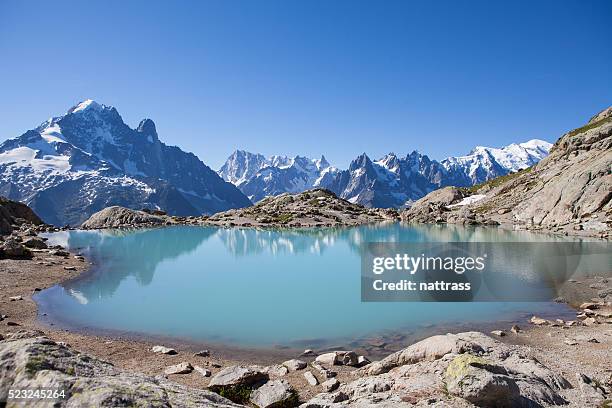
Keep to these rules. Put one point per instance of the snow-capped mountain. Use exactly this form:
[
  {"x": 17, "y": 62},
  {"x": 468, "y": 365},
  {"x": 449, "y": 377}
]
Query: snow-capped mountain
[
  {"x": 258, "y": 177},
  {"x": 391, "y": 181},
  {"x": 388, "y": 182},
  {"x": 485, "y": 163},
  {"x": 397, "y": 182},
  {"x": 76, "y": 164}
]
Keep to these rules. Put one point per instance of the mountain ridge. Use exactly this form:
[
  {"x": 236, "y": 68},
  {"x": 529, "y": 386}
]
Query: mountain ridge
[{"x": 391, "y": 181}]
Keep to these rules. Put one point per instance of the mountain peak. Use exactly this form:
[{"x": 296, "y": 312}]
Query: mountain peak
[
  {"x": 147, "y": 127},
  {"x": 86, "y": 105}
]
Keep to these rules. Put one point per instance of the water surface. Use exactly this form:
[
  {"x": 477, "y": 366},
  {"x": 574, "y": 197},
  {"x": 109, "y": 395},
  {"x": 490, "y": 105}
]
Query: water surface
[{"x": 250, "y": 287}]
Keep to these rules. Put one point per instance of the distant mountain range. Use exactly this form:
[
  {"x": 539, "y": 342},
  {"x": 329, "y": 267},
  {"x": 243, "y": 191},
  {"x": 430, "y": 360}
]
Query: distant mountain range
[
  {"x": 74, "y": 165},
  {"x": 258, "y": 177},
  {"x": 391, "y": 181}
]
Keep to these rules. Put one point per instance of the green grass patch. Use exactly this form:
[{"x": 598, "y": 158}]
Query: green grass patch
[
  {"x": 239, "y": 394},
  {"x": 590, "y": 126},
  {"x": 498, "y": 181}
]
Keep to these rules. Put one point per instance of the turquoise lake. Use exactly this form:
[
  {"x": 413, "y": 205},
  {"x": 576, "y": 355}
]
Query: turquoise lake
[{"x": 255, "y": 288}]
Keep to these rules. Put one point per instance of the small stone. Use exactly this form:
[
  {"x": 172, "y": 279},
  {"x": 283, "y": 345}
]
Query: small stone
[
  {"x": 589, "y": 321},
  {"x": 589, "y": 305},
  {"x": 294, "y": 364},
  {"x": 515, "y": 329},
  {"x": 276, "y": 370},
  {"x": 15, "y": 298},
  {"x": 331, "y": 385},
  {"x": 12, "y": 324},
  {"x": 70, "y": 268},
  {"x": 570, "y": 342},
  {"x": 499, "y": 333},
  {"x": 202, "y": 353},
  {"x": 182, "y": 368},
  {"x": 325, "y": 373},
  {"x": 538, "y": 321},
  {"x": 205, "y": 372},
  {"x": 312, "y": 380},
  {"x": 307, "y": 352},
  {"x": 593, "y": 340},
  {"x": 329, "y": 359},
  {"x": 164, "y": 350},
  {"x": 362, "y": 361}
]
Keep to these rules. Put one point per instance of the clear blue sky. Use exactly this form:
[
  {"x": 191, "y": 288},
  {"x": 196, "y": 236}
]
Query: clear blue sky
[{"x": 311, "y": 77}]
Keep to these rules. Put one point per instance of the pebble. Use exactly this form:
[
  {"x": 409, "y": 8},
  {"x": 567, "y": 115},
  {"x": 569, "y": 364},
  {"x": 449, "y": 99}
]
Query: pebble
[
  {"x": 205, "y": 372},
  {"x": 312, "y": 380}
]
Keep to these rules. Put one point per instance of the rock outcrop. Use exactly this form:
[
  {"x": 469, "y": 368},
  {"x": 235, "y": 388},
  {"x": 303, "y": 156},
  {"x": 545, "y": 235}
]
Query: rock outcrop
[
  {"x": 36, "y": 362},
  {"x": 313, "y": 208},
  {"x": 459, "y": 370},
  {"x": 14, "y": 213},
  {"x": 567, "y": 192},
  {"x": 114, "y": 217}
]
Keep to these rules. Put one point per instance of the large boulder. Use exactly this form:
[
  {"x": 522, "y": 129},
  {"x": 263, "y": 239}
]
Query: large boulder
[
  {"x": 433, "y": 348},
  {"x": 275, "y": 394},
  {"x": 115, "y": 217},
  {"x": 38, "y": 362},
  {"x": 237, "y": 376}
]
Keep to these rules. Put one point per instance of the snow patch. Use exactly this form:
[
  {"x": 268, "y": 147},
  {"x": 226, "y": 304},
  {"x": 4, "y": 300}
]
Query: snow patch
[{"x": 468, "y": 200}]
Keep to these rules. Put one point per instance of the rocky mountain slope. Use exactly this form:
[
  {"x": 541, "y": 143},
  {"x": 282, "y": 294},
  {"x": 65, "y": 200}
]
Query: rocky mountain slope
[
  {"x": 258, "y": 177},
  {"x": 569, "y": 191},
  {"x": 390, "y": 182},
  {"x": 74, "y": 165}
]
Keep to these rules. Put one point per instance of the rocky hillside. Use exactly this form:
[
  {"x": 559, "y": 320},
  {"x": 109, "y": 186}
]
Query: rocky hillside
[
  {"x": 18, "y": 228},
  {"x": 569, "y": 191},
  {"x": 318, "y": 207},
  {"x": 87, "y": 159}
]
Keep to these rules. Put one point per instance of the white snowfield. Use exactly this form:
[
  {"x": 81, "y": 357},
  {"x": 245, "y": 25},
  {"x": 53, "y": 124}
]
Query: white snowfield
[{"x": 468, "y": 200}]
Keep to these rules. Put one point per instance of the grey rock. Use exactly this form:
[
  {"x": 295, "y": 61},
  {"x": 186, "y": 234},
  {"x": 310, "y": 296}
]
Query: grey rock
[
  {"x": 205, "y": 372},
  {"x": 310, "y": 378},
  {"x": 39, "y": 362},
  {"x": 181, "y": 368},
  {"x": 115, "y": 216},
  {"x": 35, "y": 242},
  {"x": 330, "y": 385},
  {"x": 294, "y": 364},
  {"x": 163, "y": 350},
  {"x": 202, "y": 353},
  {"x": 237, "y": 376},
  {"x": 275, "y": 393}
]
